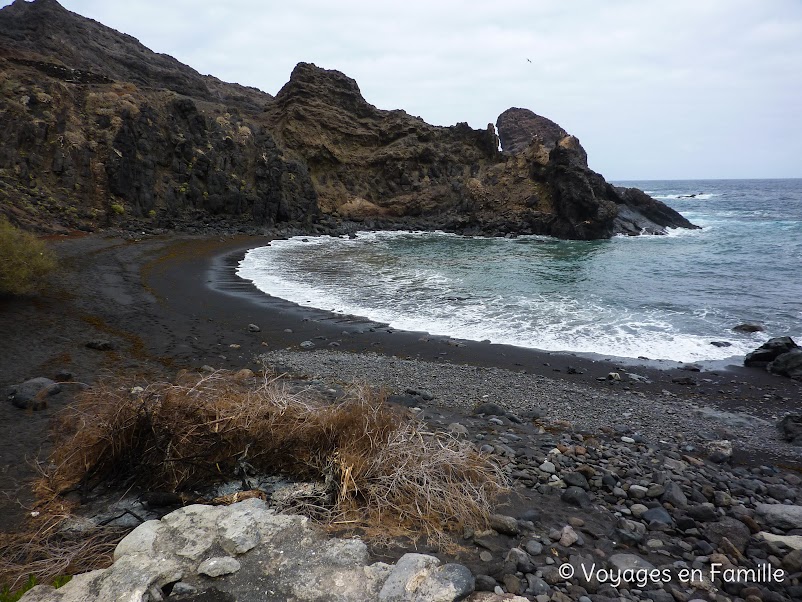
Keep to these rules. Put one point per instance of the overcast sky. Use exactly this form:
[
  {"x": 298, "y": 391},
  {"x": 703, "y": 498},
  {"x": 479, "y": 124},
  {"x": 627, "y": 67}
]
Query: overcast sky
[{"x": 665, "y": 89}]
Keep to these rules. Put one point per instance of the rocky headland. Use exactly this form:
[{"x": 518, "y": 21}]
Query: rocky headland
[{"x": 101, "y": 131}]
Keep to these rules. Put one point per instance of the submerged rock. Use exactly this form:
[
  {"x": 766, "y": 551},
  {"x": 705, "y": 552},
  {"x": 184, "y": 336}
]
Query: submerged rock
[{"x": 748, "y": 327}]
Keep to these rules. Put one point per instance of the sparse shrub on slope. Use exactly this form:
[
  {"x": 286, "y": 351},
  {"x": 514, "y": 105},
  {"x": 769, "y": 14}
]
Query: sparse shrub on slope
[{"x": 24, "y": 261}]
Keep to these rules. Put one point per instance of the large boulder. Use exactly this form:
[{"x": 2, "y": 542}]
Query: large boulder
[
  {"x": 33, "y": 393},
  {"x": 426, "y": 579},
  {"x": 520, "y": 128},
  {"x": 788, "y": 364},
  {"x": 769, "y": 351},
  {"x": 781, "y": 516},
  {"x": 781, "y": 542},
  {"x": 263, "y": 552},
  {"x": 730, "y": 528},
  {"x": 791, "y": 428}
]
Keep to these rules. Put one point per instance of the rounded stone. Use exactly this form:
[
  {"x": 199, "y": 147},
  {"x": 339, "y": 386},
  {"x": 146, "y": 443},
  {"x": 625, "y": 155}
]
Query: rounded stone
[
  {"x": 534, "y": 547},
  {"x": 638, "y": 510}
]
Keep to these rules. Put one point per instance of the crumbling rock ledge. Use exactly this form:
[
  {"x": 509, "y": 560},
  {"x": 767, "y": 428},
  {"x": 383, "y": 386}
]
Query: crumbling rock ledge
[{"x": 248, "y": 553}]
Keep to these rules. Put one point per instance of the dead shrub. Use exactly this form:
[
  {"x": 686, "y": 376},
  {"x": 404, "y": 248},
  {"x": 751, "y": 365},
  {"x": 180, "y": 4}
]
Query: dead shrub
[
  {"x": 379, "y": 464},
  {"x": 379, "y": 468}
]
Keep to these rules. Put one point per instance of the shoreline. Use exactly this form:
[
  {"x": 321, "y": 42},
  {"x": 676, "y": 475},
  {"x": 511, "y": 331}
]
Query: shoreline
[
  {"x": 225, "y": 281},
  {"x": 726, "y": 393},
  {"x": 173, "y": 302},
  {"x": 730, "y": 363}
]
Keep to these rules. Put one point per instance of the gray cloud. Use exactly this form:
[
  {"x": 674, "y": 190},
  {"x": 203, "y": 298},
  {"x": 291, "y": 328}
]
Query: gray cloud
[{"x": 653, "y": 89}]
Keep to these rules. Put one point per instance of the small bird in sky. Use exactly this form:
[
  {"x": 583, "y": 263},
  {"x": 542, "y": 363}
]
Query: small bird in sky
[{"x": 528, "y": 60}]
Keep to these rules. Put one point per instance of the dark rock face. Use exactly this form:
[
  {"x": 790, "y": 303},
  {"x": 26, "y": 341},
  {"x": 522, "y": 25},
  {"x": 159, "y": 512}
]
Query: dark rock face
[
  {"x": 650, "y": 214},
  {"x": 519, "y": 128},
  {"x": 204, "y": 168},
  {"x": 97, "y": 128},
  {"x": 374, "y": 165},
  {"x": 95, "y": 133},
  {"x": 380, "y": 166},
  {"x": 46, "y": 28},
  {"x": 788, "y": 364},
  {"x": 769, "y": 351},
  {"x": 589, "y": 206}
]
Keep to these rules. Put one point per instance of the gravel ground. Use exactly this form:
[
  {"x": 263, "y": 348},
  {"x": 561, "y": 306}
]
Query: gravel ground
[{"x": 655, "y": 417}]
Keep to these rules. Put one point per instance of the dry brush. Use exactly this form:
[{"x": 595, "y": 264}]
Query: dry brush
[{"x": 382, "y": 469}]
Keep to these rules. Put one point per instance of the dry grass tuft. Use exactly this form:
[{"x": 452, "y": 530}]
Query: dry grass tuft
[
  {"x": 46, "y": 550},
  {"x": 378, "y": 464},
  {"x": 371, "y": 466}
]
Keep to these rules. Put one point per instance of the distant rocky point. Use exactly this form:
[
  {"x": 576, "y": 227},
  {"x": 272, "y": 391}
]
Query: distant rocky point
[{"x": 100, "y": 131}]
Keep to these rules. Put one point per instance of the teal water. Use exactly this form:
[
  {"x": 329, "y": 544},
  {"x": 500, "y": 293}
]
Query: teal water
[{"x": 662, "y": 297}]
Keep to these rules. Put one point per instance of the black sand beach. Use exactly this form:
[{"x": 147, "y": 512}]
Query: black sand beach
[{"x": 173, "y": 302}]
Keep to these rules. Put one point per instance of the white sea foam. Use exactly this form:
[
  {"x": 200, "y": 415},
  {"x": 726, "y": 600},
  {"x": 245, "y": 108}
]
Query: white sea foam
[
  {"x": 425, "y": 298},
  {"x": 688, "y": 232},
  {"x": 670, "y": 233},
  {"x": 701, "y": 196}
]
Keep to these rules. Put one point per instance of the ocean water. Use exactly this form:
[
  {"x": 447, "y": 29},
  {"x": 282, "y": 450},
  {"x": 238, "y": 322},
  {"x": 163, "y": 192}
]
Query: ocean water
[{"x": 661, "y": 297}]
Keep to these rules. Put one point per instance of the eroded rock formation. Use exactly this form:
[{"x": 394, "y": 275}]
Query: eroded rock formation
[{"x": 97, "y": 128}]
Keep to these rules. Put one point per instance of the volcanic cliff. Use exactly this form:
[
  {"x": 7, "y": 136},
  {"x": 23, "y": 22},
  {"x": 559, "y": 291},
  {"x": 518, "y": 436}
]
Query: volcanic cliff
[{"x": 98, "y": 130}]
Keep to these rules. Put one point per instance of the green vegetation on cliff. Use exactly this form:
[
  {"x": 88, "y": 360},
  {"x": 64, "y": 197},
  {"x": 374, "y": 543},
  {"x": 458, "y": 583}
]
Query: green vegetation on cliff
[{"x": 24, "y": 261}]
